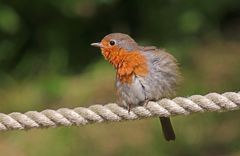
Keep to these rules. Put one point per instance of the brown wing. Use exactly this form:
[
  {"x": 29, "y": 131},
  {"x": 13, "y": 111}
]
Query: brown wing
[{"x": 165, "y": 63}]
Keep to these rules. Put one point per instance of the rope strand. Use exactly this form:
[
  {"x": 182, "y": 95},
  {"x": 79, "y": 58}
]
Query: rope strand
[{"x": 113, "y": 113}]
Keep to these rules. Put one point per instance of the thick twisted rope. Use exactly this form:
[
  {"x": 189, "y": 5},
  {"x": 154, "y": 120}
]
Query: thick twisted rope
[{"x": 114, "y": 113}]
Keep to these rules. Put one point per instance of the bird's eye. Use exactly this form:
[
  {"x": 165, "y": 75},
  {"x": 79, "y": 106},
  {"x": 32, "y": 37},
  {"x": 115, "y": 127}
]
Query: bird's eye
[{"x": 112, "y": 42}]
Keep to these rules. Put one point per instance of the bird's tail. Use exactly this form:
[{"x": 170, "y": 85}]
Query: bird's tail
[{"x": 167, "y": 128}]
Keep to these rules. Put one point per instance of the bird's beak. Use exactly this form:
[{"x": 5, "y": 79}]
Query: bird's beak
[{"x": 99, "y": 45}]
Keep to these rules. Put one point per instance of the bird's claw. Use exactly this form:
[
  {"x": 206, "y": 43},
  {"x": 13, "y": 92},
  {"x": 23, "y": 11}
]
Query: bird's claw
[
  {"x": 146, "y": 103},
  {"x": 129, "y": 109}
]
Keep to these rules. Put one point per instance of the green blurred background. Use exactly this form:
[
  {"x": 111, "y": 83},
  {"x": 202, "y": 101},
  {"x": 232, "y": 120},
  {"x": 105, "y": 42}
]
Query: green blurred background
[{"x": 46, "y": 61}]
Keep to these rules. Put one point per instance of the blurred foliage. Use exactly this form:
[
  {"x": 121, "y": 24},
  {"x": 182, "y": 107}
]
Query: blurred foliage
[{"x": 46, "y": 62}]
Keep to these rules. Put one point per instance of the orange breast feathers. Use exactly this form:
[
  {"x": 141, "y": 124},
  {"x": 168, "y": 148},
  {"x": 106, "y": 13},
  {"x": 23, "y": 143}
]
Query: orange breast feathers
[{"x": 126, "y": 63}]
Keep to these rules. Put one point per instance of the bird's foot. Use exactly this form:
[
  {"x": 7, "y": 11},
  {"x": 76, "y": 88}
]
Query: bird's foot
[
  {"x": 146, "y": 103},
  {"x": 129, "y": 108}
]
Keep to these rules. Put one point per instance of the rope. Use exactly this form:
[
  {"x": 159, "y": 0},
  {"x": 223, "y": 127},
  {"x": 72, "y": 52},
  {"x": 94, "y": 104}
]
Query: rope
[{"x": 212, "y": 102}]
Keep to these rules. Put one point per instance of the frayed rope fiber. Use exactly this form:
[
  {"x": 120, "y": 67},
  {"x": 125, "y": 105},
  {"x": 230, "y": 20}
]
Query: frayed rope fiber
[{"x": 212, "y": 102}]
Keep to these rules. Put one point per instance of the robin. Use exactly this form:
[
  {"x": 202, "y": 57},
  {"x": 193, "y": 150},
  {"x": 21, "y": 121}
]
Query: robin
[{"x": 143, "y": 73}]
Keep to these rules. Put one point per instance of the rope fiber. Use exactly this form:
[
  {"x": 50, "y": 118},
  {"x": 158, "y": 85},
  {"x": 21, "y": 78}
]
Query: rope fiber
[{"x": 212, "y": 102}]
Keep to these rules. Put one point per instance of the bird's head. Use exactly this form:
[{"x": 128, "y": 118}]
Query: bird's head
[{"x": 113, "y": 43}]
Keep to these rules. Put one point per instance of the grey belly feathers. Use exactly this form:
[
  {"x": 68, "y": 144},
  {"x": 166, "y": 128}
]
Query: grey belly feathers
[{"x": 160, "y": 81}]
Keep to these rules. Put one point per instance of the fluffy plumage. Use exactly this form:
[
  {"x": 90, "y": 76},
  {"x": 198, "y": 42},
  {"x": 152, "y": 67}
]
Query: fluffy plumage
[{"x": 142, "y": 73}]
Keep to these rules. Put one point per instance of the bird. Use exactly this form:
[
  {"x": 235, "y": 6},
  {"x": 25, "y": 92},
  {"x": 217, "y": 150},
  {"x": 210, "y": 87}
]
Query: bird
[{"x": 143, "y": 73}]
